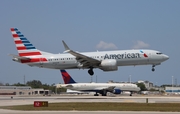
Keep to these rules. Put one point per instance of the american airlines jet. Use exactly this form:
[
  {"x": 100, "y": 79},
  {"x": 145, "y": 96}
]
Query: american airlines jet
[
  {"x": 104, "y": 60},
  {"x": 101, "y": 88}
]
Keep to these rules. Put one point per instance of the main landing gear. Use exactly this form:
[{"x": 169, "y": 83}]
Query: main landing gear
[
  {"x": 90, "y": 71},
  {"x": 96, "y": 94},
  {"x": 153, "y": 69},
  {"x": 104, "y": 93},
  {"x": 131, "y": 93}
]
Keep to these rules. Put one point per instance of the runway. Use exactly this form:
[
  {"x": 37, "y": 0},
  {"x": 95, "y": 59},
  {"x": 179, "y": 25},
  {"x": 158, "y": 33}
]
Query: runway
[
  {"x": 2, "y": 111},
  {"x": 24, "y": 100}
]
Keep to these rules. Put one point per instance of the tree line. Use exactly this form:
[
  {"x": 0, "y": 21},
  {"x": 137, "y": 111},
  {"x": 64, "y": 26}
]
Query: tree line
[
  {"x": 37, "y": 84},
  {"x": 52, "y": 87}
]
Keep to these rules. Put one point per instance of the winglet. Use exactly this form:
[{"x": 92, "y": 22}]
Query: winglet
[{"x": 65, "y": 46}]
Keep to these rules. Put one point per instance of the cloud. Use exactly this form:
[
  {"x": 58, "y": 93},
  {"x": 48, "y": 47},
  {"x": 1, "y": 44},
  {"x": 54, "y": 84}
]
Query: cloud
[
  {"x": 103, "y": 45},
  {"x": 140, "y": 44}
]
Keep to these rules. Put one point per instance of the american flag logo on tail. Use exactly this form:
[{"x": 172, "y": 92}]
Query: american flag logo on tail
[{"x": 24, "y": 47}]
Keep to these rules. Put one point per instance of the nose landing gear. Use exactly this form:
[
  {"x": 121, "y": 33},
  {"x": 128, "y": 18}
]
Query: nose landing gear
[{"x": 131, "y": 93}]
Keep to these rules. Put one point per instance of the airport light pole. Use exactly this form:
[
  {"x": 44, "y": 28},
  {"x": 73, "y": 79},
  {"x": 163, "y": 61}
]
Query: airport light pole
[
  {"x": 55, "y": 91},
  {"x": 130, "y": 78},
  {"x": 172, "y": 84},
  {"x": 91, "y": 79},
  {"x": 24, "y": 80},
  {"x": 96, "y": 78}
]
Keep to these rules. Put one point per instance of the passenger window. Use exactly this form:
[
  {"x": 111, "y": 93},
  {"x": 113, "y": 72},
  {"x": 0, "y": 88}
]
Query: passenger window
[{"x": 158, "y": 53}]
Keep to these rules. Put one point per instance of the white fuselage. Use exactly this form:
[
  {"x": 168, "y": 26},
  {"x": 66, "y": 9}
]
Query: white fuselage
[
  {"x": 123, "y": 58},
  {"x": 101, "y": 86}
]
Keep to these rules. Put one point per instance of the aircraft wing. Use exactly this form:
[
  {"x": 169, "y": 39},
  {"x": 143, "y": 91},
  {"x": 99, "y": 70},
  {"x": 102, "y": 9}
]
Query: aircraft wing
[
  {"x": 69, "y": 86},
  {"x": 110, "y": 88},
  {"x": 83, "y": 59},
  {"x": 66, "y": 86},
  {"x": 74, "y": 91},
  {"x": 19, "y": 57}
]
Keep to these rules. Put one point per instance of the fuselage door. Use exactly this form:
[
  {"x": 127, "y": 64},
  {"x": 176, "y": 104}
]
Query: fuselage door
[
  {"x": 41, "y": 62},
  {"x": 149, "y": 57}
]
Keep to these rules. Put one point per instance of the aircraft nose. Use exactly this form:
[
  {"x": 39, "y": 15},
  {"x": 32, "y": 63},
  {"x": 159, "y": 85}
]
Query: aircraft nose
[{"x": 166, "y": 57}]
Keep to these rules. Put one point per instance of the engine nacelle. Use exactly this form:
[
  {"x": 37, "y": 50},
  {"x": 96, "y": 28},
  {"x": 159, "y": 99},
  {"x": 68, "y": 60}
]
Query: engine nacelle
[
  {"x": 15, "y": 59},
  {"x": 109, "y": 65},
  {"x": 80, "y": 65},
  {"x": 117, "y": 91}
]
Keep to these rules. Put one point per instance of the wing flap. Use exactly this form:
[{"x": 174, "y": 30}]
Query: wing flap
[{"x": 110, "y": 88}]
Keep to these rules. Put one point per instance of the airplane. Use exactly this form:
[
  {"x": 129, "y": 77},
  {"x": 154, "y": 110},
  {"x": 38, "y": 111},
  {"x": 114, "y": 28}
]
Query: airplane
[
  {"x": 104, "y": 60},
  {"x": 69, "y": 91},
  {"x": 102, "y": 88}
]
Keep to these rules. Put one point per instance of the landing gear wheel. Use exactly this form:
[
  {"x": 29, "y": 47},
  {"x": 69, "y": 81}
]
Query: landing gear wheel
[
  {"x": 96, "y": 94},
  {"x": 104, "y": 93},
  {"x": 153, "y": 69},
  {"x": 131, "y": 93},
  {"x": 90, "y": 71}
]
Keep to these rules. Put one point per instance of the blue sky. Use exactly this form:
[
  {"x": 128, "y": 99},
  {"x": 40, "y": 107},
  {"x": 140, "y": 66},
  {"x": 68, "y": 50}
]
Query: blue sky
[{"x": 90, "y": 25}]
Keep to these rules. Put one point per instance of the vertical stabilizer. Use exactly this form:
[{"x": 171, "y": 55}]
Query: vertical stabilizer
[
  {"x": 66, "y": 77},
  {"x": 23, "y": 45}
]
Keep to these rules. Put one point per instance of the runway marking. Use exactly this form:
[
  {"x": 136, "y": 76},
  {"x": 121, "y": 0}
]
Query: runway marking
[{"x": 129, "y": 101}]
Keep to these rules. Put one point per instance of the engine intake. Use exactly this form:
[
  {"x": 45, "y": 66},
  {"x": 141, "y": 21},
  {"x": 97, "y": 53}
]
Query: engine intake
[
  {"x": 15, "y": 59},
  {"x": 109, "y": 65},
  {"x": 117, "y": 91}
]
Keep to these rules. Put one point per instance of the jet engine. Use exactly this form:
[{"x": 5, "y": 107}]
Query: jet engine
[
  {"x": 15, "y": 59},
  {"x": 117, "y": 91},
  {"x": 109, "y": 65}
]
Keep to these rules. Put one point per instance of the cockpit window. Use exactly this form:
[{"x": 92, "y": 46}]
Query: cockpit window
[{"x": 159, "y": 53}]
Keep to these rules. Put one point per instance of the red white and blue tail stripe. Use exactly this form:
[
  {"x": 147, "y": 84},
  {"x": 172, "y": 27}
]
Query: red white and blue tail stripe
[
  {"x": 24, "y": 47},
  {"x": 27, "y": 52}
]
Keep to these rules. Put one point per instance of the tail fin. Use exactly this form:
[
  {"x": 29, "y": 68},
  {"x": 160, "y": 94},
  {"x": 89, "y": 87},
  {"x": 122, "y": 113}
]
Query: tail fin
[
  {"x": 66, "y": 77},
  {"x": 24, "y": 47}
]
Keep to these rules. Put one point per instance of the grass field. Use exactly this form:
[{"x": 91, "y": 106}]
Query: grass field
[{"x": 172, "y": 107}]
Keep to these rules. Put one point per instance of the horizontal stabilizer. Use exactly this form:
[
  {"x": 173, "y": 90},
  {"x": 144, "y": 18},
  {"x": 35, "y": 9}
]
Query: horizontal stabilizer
[
  {"x": 69, "y": 86},
  {"x": 19, "y": 57}
]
